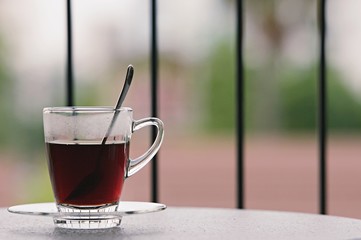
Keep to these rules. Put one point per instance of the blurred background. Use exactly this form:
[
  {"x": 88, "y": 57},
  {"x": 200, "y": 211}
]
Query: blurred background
[{"x": 197, "y": 96}]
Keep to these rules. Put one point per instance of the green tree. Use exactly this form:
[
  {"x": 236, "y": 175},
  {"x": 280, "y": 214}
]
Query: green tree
[
  {"x": 299, "y": 102},
  {"x": 220, "y": 90},
  {"x": 6, "y": 116}
]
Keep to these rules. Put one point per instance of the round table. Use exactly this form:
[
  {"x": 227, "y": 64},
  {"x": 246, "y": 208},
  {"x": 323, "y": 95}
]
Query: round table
[{"x": 192, "y": 223}]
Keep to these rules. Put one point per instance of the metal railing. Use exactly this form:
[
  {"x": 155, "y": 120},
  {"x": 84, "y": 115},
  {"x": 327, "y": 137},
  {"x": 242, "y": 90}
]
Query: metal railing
[
  {"x": 322, "y": 113},
  {"x": 322, "y": 107}
]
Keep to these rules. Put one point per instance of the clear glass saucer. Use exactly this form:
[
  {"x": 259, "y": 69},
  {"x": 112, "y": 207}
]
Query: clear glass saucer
[{"x": 84, "y": 219}]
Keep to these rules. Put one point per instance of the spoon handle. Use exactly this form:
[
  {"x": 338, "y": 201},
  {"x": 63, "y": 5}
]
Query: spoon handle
[{"x": 127, "y": 82}]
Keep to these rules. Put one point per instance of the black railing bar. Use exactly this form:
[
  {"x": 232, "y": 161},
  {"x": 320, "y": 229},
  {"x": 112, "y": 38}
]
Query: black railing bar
[
  {"x": 240, "y": 106},
  {"x": 154, "y": 94},
  {"x": 69, "y": 58},
  {"x": 322, "y": 118}
]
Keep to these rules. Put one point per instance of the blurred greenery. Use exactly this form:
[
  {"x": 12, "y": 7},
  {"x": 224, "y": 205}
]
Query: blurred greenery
[
  {"x": 299, "y": 102},
  {"x": 297, "y": 97},
  {"x": 19, "y": 134},
  {"x": 6, "y": 107},
  {"x": 220, "y": 97}
]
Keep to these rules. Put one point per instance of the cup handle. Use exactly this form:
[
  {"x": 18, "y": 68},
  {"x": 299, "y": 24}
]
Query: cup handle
[{"x": 134, "y": 165}]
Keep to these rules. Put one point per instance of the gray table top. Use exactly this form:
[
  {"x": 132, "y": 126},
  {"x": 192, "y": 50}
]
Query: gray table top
[{"x": 192, "y": 223}]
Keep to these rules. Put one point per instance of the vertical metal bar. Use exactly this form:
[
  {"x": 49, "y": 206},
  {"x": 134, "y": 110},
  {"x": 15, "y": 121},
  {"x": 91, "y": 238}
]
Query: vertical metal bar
[
  {"x": 322, "y": 108},
  {"x": 69, "y": 62},
  {"x": 240, "y": 106},
  {"x": 154, "y": 93}
]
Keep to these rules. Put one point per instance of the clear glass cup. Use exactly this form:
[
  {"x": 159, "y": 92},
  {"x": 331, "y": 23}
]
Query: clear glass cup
[{"x": 88, "y": 160}]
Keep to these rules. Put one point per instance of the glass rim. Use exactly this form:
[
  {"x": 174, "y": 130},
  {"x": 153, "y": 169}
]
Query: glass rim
[{"x": 86, "y": 109}]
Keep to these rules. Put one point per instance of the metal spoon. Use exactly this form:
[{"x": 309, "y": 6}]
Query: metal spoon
[{"x": 128, "y": 81}]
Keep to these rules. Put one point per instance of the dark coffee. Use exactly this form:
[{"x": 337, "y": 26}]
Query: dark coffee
[{"x": 87, "y": 174}]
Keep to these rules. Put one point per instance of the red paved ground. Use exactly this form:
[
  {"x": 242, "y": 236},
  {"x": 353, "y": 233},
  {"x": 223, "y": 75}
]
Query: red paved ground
[{"x": 281, "y": 174}]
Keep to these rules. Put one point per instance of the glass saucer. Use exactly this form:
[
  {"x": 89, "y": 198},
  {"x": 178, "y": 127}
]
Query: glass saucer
[{"x": 84, "y": 219}]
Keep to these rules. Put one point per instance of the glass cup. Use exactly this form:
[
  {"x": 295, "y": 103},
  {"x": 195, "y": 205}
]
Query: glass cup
[{"x": 88, "y": 160}]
